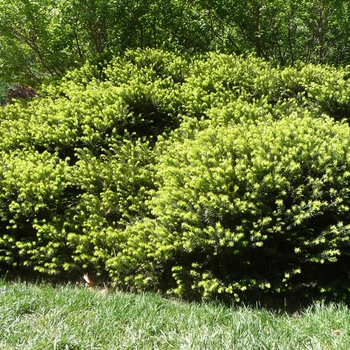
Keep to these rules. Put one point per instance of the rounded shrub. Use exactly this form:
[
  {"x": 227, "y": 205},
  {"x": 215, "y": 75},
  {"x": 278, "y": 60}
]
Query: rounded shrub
[
  {"x": 245, "y": 211},
  {"x": 34, "y": 203},
  {"x": 114, "y": 189},
  {"x": 215, "y": 177}
]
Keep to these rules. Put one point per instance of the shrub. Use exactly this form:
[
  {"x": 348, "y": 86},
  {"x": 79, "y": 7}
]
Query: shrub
[
  {"x": 92, "y": 109},
  {"x": 245, "y": 211},
  {"x": 114, "y": 189},
  {"x": 19, "y": 91},
  {"x": 34, "y": 201},
  {"x": 215, "y": 177}
]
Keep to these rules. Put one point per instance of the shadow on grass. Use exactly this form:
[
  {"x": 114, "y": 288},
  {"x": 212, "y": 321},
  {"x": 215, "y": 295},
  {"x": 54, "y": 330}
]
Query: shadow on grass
[{"x": 292, "y": 305}]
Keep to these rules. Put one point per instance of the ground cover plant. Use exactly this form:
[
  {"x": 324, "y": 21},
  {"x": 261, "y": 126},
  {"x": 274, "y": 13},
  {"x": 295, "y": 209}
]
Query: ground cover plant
[
  {"x": 36, "y": 316},
  {"x": 216, "y": 176}
]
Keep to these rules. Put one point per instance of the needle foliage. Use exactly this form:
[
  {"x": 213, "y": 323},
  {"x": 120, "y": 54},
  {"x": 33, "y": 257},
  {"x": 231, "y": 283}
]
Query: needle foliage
[{"x": 212, "y": 177}]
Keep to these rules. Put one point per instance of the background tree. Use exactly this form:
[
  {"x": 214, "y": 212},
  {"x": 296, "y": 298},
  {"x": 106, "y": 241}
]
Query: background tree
[
  {"x": 284, "y": 31},
  {"x": 33, "y": 41},
  {"x": 41, "y": 41}
]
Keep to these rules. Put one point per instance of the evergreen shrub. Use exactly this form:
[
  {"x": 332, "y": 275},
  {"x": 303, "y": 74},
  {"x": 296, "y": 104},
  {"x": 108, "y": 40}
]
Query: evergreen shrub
[
  {"x": 114, "y": 190},
  {"x": 244, "y": 211},
  {"x": 216, "y": 176},
  {"x": 33, "y": 205}
]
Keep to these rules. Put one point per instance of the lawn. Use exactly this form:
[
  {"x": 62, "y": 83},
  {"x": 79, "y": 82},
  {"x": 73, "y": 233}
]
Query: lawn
[{"x": 40, "y": 316}]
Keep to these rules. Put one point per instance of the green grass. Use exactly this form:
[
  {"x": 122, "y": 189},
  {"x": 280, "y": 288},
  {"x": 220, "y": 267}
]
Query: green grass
[{"x": 34, "y": 316}]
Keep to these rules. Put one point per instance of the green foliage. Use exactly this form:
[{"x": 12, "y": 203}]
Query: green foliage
[
  {"x": 284, "y": 31},
  {"x": 245, "y": 210},
  {"x": 88, "y": 110},
  {"x": 216, "y": 176},
  {"x": 3, "y": 91},
  {"x": 95, "y": 127},
  {"x": 42, "y": 41},
  {"x": 33, "y": 205},
  {"x": 33, "y": 41},
  {"x": 114, "y": 190}
]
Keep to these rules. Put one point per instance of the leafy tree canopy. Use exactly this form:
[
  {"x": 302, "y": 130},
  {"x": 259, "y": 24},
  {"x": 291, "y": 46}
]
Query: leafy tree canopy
[{"x": 42, "y": 40}]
